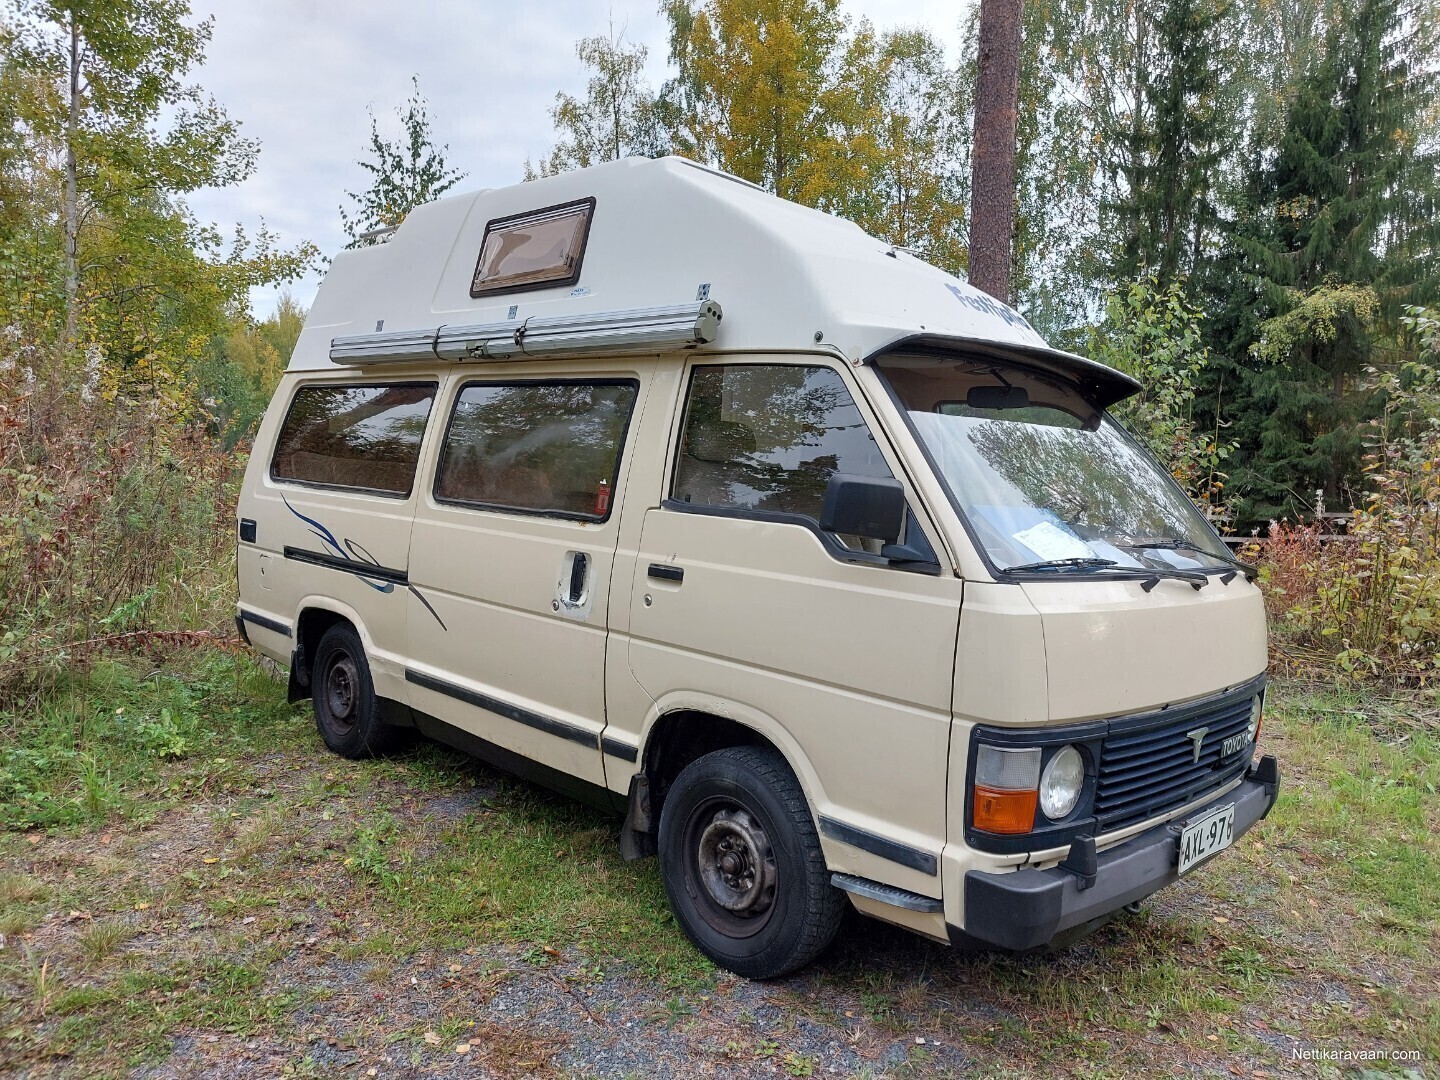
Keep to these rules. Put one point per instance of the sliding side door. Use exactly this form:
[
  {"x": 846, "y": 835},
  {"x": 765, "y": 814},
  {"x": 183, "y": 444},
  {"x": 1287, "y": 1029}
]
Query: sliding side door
[{"x": 510, "y": 564}]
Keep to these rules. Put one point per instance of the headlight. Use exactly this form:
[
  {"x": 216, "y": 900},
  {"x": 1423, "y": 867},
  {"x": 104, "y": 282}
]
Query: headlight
[
  {"x": 1256, "y": 705},
  {"x": 1061, "y": 783}
]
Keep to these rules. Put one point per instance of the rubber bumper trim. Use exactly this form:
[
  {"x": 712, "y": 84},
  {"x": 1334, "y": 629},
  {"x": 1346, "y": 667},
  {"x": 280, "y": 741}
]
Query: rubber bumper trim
[{"x": 1026, "y": 909}]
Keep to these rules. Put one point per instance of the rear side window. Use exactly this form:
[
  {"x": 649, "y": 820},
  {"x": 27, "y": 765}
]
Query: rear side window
[
  {"x": 768, "y": 437},
  {"x": 549, "y": 448},
  {"x": 362, "y": 437}
]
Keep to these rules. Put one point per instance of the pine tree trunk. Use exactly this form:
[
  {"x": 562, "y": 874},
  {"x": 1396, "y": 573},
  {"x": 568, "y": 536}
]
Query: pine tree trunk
[
  {"x": 72, "y": 200},
  {"x": 992, "y": 188}
]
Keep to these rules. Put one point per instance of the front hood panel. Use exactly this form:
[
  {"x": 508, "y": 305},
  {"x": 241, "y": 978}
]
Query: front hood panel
[{"x": 1112, "y": 649}]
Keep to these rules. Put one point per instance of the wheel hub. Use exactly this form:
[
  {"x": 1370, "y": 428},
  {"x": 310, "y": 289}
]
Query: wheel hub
[
  {"x": 340, "y": 692},
  {"x": 737, "y": 866}
]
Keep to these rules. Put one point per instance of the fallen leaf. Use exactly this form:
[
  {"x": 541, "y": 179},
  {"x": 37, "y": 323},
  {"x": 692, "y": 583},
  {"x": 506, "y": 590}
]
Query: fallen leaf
[
  {"x": 549, "y": 951},
  {"x": 1221, "y": 919},
  {"x": 454, "y": 967},
  {"x": 432, "y": 1038},
  {"x": 210, "y": 860},
  {"x": 248, "y": 919},
  {"x": 142, "y": 905},
  {"x": 463, "y": 1048}
]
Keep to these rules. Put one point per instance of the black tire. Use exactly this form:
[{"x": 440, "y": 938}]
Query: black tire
[
  {"x": 742, "y": 864},
  {"x": 346, "y": 712}
]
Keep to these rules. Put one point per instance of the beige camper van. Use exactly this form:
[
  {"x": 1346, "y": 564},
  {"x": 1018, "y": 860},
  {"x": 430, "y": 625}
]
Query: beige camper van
[{"x": 811, "y": 560}]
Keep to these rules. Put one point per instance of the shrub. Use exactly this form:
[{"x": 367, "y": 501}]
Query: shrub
[
  {"x": 109, "y": 525},
  {"x": 1369, "y": 603}
]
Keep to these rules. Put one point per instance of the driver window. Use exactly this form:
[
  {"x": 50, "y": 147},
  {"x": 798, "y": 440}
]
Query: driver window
[{"x": 768, "y": 437}]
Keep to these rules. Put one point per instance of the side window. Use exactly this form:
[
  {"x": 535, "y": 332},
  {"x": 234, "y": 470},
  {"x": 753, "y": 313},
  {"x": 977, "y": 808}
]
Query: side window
[
  {"x": 363, "y": 437},
  {"x": 768, "y": 437},
  {"x": 542, "y": 447}
]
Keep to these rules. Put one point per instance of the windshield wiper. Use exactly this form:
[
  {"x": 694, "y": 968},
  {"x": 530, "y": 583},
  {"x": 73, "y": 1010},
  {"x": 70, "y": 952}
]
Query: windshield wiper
[
  {"x": 1175, "y": 543},
  {"x": 1150, "y": 575},
  {"x": 1063, "y": 564}
]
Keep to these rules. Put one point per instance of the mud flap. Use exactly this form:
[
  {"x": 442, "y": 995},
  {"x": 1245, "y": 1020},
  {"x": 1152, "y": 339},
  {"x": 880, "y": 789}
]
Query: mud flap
[
  {"x": 637, "y": 835},
  {"x": 297, "y": 689}
]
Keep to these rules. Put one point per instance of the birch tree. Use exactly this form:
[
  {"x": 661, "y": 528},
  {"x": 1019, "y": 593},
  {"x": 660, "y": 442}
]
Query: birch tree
[{"x": 128, "y": 126}]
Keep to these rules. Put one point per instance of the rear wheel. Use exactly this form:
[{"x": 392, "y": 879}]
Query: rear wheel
[
  {"x": 346, "y": 712},
  {"x": 742, "y": 864}
]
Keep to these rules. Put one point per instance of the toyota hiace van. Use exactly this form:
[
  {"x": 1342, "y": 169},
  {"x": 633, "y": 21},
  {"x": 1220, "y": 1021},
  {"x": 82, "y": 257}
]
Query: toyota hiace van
[{"x": 817, "y": 564}]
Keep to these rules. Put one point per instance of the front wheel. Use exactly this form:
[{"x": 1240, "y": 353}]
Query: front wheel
[{"x": 742, "y": 864}]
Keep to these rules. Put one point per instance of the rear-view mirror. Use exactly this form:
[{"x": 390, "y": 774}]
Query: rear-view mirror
[{"x": 998, "y": 397}]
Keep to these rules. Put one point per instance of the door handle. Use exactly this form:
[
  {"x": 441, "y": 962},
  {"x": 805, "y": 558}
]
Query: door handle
[
  {"x": 578, "y": 569},
  {"x": 665, "y": 572}
]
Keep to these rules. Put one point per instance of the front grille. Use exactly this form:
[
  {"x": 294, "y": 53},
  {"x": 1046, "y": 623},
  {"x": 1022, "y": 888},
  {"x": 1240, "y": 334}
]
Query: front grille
[{"x": 1150, "y": 767}]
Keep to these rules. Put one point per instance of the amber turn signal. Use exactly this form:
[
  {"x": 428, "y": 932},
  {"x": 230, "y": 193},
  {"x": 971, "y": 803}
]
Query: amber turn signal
[{"x": 1004, "y": 811}]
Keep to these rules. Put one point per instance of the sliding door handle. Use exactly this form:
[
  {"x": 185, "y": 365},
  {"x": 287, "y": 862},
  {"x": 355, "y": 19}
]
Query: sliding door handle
[
  {"x": 579, "y": 567},
  {"x": 664, "y": 572}
]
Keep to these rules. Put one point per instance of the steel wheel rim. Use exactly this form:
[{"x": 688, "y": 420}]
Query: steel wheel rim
[
  {"x": 730, "y": 868},
  {"x": 342, "y": 686}
]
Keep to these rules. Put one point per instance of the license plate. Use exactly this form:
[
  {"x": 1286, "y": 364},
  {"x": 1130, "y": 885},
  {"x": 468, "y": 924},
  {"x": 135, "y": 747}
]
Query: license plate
[{"x": 1203, "y": 838}]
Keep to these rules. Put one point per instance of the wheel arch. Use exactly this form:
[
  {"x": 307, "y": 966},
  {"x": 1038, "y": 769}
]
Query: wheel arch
[
  {"x": 313, "y": 616},
  {"x": 683, "y": 728}
]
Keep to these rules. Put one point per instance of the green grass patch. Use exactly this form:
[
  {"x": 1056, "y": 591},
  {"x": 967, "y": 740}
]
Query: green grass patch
[
  {"x": 1368, "y": 808},
  {"x": 532, "y": 868},
  {"x": 123, "y": 740}
]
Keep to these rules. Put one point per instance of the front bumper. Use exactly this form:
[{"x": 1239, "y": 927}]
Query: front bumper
[{"x": 1029, "y": 908}]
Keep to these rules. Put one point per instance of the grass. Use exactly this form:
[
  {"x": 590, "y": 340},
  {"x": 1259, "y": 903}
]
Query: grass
[
  {"x": 180, "y": 860},
  {"x": 100, "y": 743}
]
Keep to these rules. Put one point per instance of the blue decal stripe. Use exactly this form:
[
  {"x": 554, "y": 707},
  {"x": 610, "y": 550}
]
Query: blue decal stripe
[
  {"x": 420, "y": 596},
  {"x": 320, "y": 531},
  {"x": 358, "y": 561}
]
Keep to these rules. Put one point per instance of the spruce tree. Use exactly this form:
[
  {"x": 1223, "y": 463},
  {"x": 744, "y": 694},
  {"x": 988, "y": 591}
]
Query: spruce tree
[
  {"x": 1313, "y": 276},
  {"x": 1173, "y": 146}
]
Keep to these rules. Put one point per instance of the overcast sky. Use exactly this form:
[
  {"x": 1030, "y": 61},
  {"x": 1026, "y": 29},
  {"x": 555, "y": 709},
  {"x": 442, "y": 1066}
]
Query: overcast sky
[{"x": 300, "y": 74}]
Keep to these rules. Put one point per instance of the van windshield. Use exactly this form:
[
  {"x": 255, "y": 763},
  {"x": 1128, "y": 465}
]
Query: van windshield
[{"x": 1043, "y": 477}]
